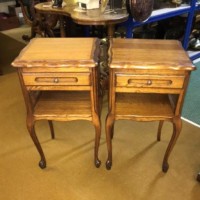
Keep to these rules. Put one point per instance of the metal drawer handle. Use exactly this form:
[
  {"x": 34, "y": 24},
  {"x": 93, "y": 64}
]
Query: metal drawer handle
[
  {"x": 149, "y": 82},
  {"x": 56, "y": 80}
]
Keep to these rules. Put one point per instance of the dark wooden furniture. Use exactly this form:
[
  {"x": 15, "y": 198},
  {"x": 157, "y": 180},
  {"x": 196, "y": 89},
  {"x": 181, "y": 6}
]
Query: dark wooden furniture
[
  {"x": 8, "y": 21},
  {"x": 91, "y": 17},
  {"x": 59, "y": 80},
  {"x": 148, "y": 81},
  {"x": 198, "y": 177},
  {"x": 41, "y": 25}
]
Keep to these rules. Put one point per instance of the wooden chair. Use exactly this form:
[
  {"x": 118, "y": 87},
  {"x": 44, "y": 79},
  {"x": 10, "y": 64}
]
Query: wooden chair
[{"x": 42, "y": 25}]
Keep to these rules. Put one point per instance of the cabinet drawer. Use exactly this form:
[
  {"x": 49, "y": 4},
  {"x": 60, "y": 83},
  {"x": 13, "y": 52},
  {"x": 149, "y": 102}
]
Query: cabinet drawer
[
  {"x": 54, "y": 79},
  {"x": 149, "y": 81}
]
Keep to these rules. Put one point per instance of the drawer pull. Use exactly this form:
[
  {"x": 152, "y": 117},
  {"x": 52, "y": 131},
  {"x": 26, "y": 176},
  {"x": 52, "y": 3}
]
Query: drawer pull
[
  {"x": 169, "y": 82},
  {"x": 56, "y": 80},
  {"x": 149, "y": 82}
]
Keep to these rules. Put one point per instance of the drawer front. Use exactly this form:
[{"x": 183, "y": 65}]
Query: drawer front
[
  {"x": 56, "y": 79},
  {"x": 149, "y": 81}
]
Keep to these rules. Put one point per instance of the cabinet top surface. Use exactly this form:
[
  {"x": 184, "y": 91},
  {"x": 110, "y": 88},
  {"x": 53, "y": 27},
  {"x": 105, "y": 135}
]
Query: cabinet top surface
[
  {"x": 59, "y": 52},
  {"x": 149, "y": 54}
]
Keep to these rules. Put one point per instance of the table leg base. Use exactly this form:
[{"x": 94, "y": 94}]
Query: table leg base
[
  {"x": 97, "y": 163},
  {"x": 42, "y": 164},
  {"x": 108, "y": 164},
  {"x": 165, "y": 167},
  {"x": 198, "y": 177}
]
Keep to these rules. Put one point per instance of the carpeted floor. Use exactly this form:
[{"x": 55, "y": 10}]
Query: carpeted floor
[
  {"x": 70, "y": 173},
  {"x": 18, "y": 32},
  {"x": 191, "y": 110}
]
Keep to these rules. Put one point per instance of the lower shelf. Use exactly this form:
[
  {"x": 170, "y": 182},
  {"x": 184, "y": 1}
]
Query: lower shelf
[
  {"x": 144, "y": 106},
  {"x": 63, "y": 105}
]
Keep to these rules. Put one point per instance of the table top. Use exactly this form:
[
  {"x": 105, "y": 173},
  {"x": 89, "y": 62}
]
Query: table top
[
  {"x": 149, "y": 54},
  {"x": 59, "y": 52},
  {"x": 89, "y": 17}
]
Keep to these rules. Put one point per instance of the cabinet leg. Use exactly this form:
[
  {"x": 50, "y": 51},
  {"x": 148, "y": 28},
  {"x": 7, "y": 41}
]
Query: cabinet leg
[
  {"x": 177, "y": 124},
  {"x": 31, "y": 129},
  {"x": 198, "y": 177},
  {"x": 97, "y": 125},
  {"x": 159, "y": 130},
  {"x": 112, "y": 131},
  {"x": 51, "y": 129},
  {"x": 109, "y": 134}
]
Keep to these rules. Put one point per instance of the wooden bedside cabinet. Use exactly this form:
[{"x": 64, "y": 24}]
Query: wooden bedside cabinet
[
  {"x": 59, "y": 80},
  {"x": 148, "y": 81}
]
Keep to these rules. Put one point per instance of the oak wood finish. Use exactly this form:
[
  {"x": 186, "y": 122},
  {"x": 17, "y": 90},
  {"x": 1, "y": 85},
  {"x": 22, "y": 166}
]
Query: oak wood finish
[
  {"x": 148, "y": 81},
  {"x": 59, "y": 80},
  {"x": 91, "y": 17}
]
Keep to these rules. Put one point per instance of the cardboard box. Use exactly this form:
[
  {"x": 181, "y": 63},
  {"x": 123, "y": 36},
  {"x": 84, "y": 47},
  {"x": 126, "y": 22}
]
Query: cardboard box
[
  {"x": 8, "y": 22},
  {"x": 16, "y": 11}
]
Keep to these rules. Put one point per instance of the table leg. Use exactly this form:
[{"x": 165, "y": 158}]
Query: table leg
[
  {"x": 159, "y": 130},
  {"x": 110, "y": 31},
  {"x": 109, "y": 134},
  {"x": 198, "y": 177},
  {"x": 62, "y": 27},
  {"x": 31, "y": 129},
  {"x": 177, "y": 124},
  {"x": 51, "y": 129},
  {"x": 97, "y": 125}
]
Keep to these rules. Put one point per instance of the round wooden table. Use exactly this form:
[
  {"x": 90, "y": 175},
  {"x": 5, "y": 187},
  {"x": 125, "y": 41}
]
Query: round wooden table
[{"x": 89, "y": 17}]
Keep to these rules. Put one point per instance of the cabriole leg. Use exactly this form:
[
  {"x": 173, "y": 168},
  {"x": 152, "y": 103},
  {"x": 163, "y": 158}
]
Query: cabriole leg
[
  {"x": 177, "y": 124},
  {"x": 112, "y": 131},
  {"x": 97, "y": 125},
  {"x": 198, "y": 177},
  {"x": 31, "y": 129},
  {"x": 109, "y": 134},
  {"x": 159, "y": 130},
  {"x": 51, "y": 129}
]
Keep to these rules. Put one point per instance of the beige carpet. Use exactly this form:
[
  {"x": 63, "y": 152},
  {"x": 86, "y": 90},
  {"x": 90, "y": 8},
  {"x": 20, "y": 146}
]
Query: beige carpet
[
  {"x": 18, "y": 32},
  {"x": 70, "y": 173}
]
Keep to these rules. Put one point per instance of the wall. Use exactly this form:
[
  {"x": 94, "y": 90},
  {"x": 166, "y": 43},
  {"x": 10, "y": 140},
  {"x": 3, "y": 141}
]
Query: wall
[{"x": 4, "y": 5}]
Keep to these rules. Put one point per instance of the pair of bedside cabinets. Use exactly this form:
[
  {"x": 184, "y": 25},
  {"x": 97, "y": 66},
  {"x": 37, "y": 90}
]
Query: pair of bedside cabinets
[{"x": 60, "y": 80}]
